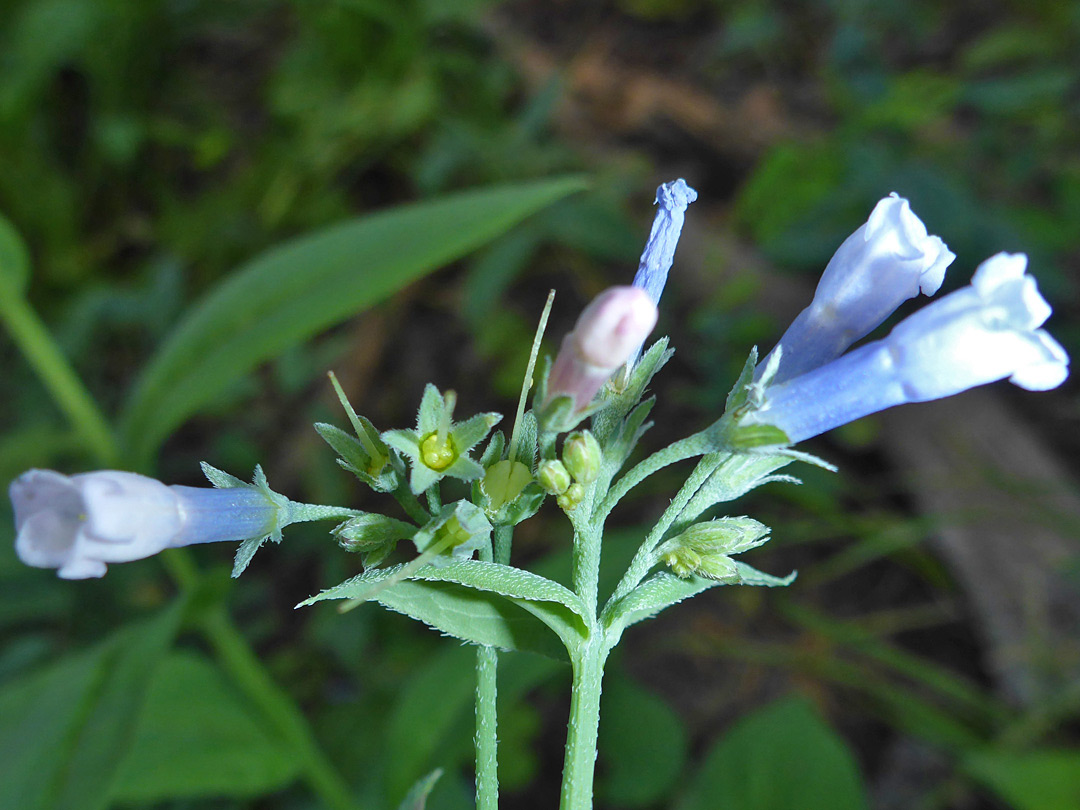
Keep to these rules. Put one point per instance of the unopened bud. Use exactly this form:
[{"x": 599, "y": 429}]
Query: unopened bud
[
  {"x": 683, "y": 562},
  {"x": 608, "y": 331},
  {"x": 574, "y": 494},
  {"x": 582, "y": 456},
  {"x": 553, "y": 477},
  {"x": 504, "y": 481}
]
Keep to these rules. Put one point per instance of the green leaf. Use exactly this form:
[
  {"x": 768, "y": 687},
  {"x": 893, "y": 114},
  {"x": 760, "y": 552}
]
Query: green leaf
[
  {"x": 195, "y": 739},
  {"x": 473, "y": 600},
  {"x": 304, "y": 286},
  {"x": 14, "y": 260},
  {"x": 659, "y": 591},
  {"x": 66, "y": 729},
  {"x": 416, "y": 798},
  {"x": 1044, "y": 779},
  {"x": 642, "y": 746},
  {"x": 663, "y": 589},
  {"x": 751, "y": 576},
  {"x": 780, "y": 757}
]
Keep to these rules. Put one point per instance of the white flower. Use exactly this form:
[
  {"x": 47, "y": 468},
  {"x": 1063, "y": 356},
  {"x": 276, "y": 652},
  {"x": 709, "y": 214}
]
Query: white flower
[
  {"x": 608, "y": 331},
  {"x": 984, "y": 332},
  {"x": 884, "y": 263},
  {"x": 77, "y": 524}
]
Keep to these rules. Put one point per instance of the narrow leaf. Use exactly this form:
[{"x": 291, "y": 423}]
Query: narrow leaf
[
  {"x": 1044, "y": 779},
  {"x": 298, "y": 289},
  {"x": 553, "y": 604},
  {"x": 14, "y": 260}
]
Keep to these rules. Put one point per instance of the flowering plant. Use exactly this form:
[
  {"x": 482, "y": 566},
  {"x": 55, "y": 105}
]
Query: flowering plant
[{"x": 464, "y": 488}]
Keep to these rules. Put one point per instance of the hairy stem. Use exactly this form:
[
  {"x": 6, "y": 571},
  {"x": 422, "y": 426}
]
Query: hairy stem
[
  {"x": 581, "y": 735},
  {"x": 486, "y": 738}
]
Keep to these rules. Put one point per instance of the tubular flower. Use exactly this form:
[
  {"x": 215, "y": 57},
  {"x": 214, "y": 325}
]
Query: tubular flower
[
  {"x": 77, "y": 524},
  {"x": 607, "y": 333},
  {"x": 984, "y": 332},
  {"x": 659, "y": 254},
  {"x": 885, "y": 262}
]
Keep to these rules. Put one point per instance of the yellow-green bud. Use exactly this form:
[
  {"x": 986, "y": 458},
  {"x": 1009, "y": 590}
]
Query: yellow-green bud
[
  {"x": 582, "y": 456},
  {"x": 682, "y": 561},
  {"x": 437, "y": 454},
  {"x": 504, "y": 481},
  {"x": 571, "y": 498},
  {"x": 553, "y": 477}
]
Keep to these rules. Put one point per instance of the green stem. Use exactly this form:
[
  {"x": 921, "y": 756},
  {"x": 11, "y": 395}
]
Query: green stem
[
  {"x": 588, "y": 538},
  {"x": 54, "y": 371},
  {"x": 643, "y": 560},
  {"x": 487, "y": 729},
  {"x": 487, "y": 692},
  {"x": 679, "y": 451},
  {"x": 411, "y": 504},
  {"x": 581, "y": 734}
]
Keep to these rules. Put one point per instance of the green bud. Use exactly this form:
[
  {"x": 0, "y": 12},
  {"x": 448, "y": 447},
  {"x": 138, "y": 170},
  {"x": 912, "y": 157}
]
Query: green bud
[
  {"x": 571, "y": 498},
  {"x": 683, "y": 562},
  {"x": 553, "y": 477},
  {"x": 582, "y": 456},
  {"x": 718, "y": 567},
  {"x": 503, "y": 482},
  {"x": 729, "y": 535},
  {"x": 367, "y": 531}
]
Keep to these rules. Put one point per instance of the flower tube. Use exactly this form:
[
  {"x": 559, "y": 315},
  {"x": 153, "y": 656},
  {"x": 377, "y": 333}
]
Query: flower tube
[
  {"x": 77, "y": 524},
  {"x": 984, "y": 332},
  {"x": 885, "y": 262},
  {"x": 672, "y": 200},
  {"x": 607, "y": 332}
]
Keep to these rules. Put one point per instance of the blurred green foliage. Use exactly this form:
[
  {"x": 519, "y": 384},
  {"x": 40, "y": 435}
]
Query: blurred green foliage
[{"x": 146, "y": 149}]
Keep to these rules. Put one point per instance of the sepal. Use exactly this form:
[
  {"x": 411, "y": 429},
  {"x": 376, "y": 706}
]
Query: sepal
[
  {"x": 247, "y": 549},
  {"x": 382, "y": 476},
  {"x": 459, "y": 530}
]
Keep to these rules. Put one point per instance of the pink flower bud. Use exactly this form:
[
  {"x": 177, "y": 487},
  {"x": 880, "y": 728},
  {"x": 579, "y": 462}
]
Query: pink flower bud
[{"x": 608, "y": 331}]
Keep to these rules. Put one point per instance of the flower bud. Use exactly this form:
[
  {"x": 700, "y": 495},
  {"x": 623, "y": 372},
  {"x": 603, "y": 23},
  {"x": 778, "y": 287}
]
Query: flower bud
[
  {"x": 503, "y": 482},
  {"x": 582, "y": 456},
  {"x": 608, "y": 332},
  {"x": 574, "y": 495},
  {"x": 368, "y": 531},
  {"x": 553, "y": 477}
]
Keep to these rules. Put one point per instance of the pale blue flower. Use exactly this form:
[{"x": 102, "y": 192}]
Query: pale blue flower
[
  {"x": 984, "y": 332},
  {"x": 885, "y": 262},
  {"x": 77, "y": 524}
]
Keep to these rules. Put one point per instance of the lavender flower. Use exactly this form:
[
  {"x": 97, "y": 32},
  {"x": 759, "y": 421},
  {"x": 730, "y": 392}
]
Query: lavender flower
[
  {"x": 659, "y": 254},
  {"x": 608, "y": 330},
  {"x": 984, "y": 332},
  {"x": 77, "y": 524},
  {"x": 884, "y": 263}
]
